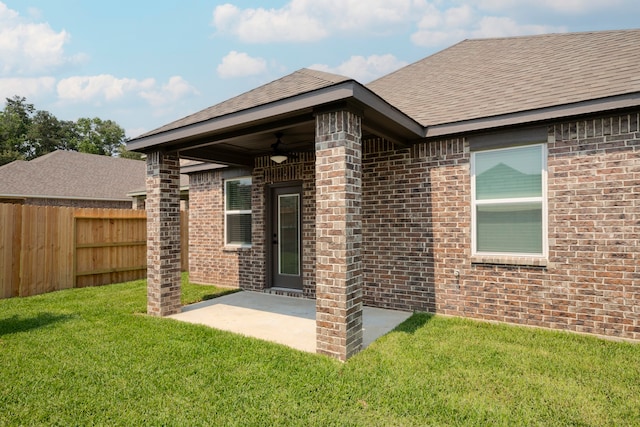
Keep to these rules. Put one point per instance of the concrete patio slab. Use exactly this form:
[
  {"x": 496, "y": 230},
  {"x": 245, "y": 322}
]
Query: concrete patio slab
[{"x": 285, "y": 320}]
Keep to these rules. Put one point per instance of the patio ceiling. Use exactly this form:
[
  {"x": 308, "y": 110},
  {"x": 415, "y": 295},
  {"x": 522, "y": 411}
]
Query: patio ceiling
[{"x": 237, "y": 138}]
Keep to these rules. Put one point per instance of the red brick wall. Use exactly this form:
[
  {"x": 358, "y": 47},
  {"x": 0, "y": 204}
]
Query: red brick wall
[
  {"x": 398, "y": 264},
  {"x": 592, "y": 281},
  {"x": 209, "y": 260},
  {"x": 594, "y": 225},
  {"x": 416, "y": 232}
]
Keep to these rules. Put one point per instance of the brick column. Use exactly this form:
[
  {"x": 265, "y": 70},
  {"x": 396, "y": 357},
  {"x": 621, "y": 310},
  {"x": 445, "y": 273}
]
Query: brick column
[
  {"x": 163, "y": 233},
  {"x": 338, "y": 234}
]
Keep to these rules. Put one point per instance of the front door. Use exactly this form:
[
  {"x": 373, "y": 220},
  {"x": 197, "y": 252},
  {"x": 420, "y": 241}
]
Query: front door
[{"x": 286, "y": 237}]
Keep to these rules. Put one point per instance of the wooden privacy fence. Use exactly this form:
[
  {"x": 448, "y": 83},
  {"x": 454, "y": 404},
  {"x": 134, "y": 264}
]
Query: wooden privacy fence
[{"x": 45, "y": 248}]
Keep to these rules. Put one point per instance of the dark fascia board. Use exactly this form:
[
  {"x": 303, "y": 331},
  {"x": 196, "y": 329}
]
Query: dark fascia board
[
  {"x": 543, "y": 114},
  {"x": 200, "y": 167},
  {"x": 184, "y": 189},
  {"x": 374, "y": 102},
  {"x": 307, "y": 101}
]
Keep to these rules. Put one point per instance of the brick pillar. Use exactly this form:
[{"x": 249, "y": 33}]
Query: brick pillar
[
  {"x": 338, "y": 234},
  {"x": 163, "y": 233}
]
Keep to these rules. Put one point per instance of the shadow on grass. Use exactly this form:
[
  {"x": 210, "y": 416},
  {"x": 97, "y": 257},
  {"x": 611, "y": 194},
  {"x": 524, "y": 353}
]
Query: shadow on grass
[
  {"x": 17, "y": 324},
  {"x": 413, "y": 323},
  {"x": 219, "y": 294}
]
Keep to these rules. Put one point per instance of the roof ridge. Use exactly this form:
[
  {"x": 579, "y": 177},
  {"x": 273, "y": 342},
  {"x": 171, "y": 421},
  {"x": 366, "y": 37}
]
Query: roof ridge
[
  {"x": 489, "y": 77},
  {"x": 199, "y": 112},
  {"x": 13, "y": 164},
  {"x": 62, "y": 152},
  {"x": 555, "y": 34},
  {"x": 293, "y": 84},
  {"x": 485, "y": 39},
  {"x": 320, "y": 75},
  {"x": 414, "y": 63},
  {"x": 44, "y": 156}
]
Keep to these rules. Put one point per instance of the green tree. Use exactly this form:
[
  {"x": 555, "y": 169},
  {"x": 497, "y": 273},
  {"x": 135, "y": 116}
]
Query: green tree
[
  {"x": 15, "y": 121},
  {"x": 45, "y": 134},
  {"x": 68, "y": 136},
  {"x": 27, "y": 133},
  {"x": 97, "y": 136},
  {"x": 126, "y": 154}
]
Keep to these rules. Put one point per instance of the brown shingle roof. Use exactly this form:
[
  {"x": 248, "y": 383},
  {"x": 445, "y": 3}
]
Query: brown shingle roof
[
  {"x": 489, "y": 77},
  {"x": 475, "y": 79},
  {"x": 69, "y": 174},
  {"x": 301, "y": 81}
]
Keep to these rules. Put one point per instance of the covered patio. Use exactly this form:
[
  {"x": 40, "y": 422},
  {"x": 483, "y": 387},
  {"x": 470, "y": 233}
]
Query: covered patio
[
  {"x": 281, "y": 319},
  {"x": 318, "y": 113}
]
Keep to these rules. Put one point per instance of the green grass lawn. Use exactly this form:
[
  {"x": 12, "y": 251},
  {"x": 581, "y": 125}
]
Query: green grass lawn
[{"x": 91, "y": 357}]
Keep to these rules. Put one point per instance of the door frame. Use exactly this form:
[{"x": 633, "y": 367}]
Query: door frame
[{"x": 269, "y": 220}]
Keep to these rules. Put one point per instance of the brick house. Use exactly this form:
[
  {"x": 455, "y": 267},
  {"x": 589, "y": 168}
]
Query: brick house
[
  {"x": 498, "y": 179},
  {"x": 72, "y": 179}
]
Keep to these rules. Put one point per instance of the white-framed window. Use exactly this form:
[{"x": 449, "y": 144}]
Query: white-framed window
[
  {"x": 237, "y": 212},
  {"x": 509, "y": 201}
]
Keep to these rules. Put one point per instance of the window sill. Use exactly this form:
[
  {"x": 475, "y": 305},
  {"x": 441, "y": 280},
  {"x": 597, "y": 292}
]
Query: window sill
[
  {"x": 236, "y": 248},
  {"x": 510, "y": 260}
]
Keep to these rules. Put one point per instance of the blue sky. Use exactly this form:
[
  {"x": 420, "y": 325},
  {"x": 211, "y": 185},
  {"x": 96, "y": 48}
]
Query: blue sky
[{"x": 144, "y": 63}]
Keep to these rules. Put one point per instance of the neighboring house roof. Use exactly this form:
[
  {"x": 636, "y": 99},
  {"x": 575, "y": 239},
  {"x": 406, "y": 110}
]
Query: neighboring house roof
[
  {"x": 72, "y": 175},
  {"x": 490, "y": 77},
  {"x": 301, "y": 81}
]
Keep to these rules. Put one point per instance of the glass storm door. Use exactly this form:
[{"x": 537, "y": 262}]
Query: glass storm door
[{"x": 286, "y": 247}]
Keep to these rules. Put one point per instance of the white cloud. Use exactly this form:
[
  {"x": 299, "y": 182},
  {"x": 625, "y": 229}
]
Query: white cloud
[
  {"x": 7, "y": 15},
  {"x": 101, "y": 87},
  {"x": 124, "y": 97},
  {"x": 26, "y": 86},
  {"x": 364, "y": 69},
  {"x": 108, "y": 88},
  {"x": 266, "y": 26},
  {"x": 28, "y": 48},
  {"x": 175, "y": 89},
  {"x": 312, "y": 20},
  {"x": 554, "y": 6},
  {"x": 437, "y": 23},
  {"x": 444, "y": 27},
  {"x": 492, "y": 26},
  {"x": 240, "y": 64},
  {"x": 362, "y": 16}
]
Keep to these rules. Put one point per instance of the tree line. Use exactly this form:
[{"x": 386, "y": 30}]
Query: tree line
[{"x": 27, "y": 133}]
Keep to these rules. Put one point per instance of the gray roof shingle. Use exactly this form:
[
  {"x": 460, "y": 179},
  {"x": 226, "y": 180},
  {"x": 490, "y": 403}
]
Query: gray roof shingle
[
  {"x": 489, "y": 77},
  {"x": 301, "y": 81},
  {"x": 477, "y": 79},
  {"x": 69, "y": 174}
]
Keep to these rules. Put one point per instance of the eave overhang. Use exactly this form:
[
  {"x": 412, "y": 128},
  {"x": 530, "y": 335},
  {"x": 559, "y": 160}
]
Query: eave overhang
[
  {"x": 379, "y": 118},
  {"x": 209, "y": 140},
  {"x": 558, "y": 112},
  {"x": 184, "y": 189}
]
